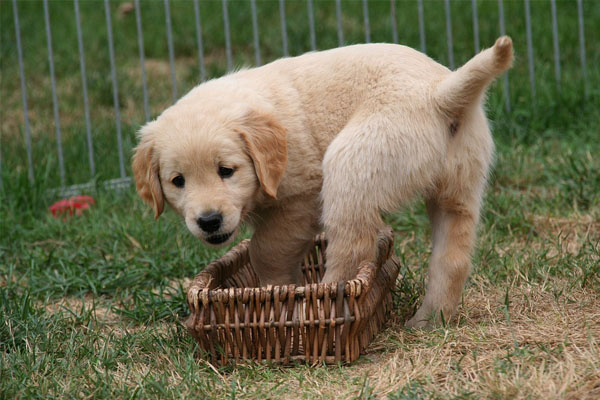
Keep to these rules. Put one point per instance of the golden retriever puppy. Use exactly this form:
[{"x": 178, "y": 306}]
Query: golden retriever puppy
[{"x": 331, "y": 139}]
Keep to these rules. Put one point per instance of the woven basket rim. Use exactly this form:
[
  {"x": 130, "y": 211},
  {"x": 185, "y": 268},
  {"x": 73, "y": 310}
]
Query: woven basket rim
[
  {"x": 365, "y": 276},
  {"x": 315, "y": 322}
]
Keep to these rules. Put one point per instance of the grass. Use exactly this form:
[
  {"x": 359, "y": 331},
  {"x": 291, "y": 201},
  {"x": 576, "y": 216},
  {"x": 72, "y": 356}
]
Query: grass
[{"x": 91, "y": 306}]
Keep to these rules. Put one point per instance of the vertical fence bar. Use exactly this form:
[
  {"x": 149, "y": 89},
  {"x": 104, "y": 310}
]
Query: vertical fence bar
[
  {"x": 421, "y": 25},
  {"x": 140, "y": 35},
  {"x": 529, "y": 49},
  {"x": 449, "y": 34},
  {"x": 365, "y": 6},
  {"x": 555, "y": 43},
  {"x": 502, "y": 33},
  {"x": 88, "y": 127},
  {"x": 23, "y": 92},
  {"x": 199, "y": 41},
  {"x": 61, "y": 163},
  {"x": 475, "y": 26},
  {"x": 227, "y": 36},
  {"x": 284, "y": 39},
  {"x": 113, "y": 73},
  {"x": 311, "y": 25},
  {"x": 255, "y": 32},
  {"x": 394, "y": 25},
  {"x": 338, "y": 15},
  {"x": 170, "y": 46},
  {"x": 582, "y": 46},
  {"x": 1, "y": 180}
]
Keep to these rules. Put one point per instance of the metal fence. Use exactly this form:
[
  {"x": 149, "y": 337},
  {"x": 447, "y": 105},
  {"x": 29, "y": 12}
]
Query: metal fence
[{"x": 124, "y": 180}]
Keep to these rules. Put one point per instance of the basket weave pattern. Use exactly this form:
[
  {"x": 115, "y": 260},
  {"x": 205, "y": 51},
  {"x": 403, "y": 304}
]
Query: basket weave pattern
[{"x": 233, "y": 319}]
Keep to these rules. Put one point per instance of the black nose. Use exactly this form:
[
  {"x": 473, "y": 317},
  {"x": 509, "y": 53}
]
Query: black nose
[{"x": 210, "y": 222}]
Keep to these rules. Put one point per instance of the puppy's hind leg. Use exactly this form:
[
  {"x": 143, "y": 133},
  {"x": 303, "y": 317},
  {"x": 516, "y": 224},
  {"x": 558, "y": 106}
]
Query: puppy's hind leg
[
  {"x": 453, "y": 224},
  {"x": 454, "y": 208}
]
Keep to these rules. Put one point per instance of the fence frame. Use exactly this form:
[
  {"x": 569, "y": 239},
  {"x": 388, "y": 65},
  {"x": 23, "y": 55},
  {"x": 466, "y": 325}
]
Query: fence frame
[{"x": 124, "y": 180}]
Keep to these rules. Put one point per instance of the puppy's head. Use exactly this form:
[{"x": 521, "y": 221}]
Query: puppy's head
[{"x": 210, "y": 168}]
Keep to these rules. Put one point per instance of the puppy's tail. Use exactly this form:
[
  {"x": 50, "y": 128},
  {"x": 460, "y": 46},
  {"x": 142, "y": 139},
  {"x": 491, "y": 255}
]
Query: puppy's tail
[{"x": 461, "y": 88}]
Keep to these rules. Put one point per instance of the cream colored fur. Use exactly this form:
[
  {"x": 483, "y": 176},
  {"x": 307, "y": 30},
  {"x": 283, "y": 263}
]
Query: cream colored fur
[{"x": 332, "y": 139}]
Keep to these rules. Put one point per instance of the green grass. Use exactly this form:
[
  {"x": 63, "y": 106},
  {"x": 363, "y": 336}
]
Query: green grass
[{"x": 91, "y": 306}]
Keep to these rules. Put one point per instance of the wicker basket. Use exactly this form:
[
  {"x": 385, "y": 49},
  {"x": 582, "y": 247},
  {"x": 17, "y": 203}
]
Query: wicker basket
[{"x": 232, "y": 319}]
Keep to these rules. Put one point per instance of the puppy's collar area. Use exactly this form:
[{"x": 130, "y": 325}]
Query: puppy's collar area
[{"x": 218, "y": 239}]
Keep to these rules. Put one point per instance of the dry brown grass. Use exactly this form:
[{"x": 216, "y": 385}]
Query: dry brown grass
[
  {"x": 69, "y": 92},
  {"x": 517, "y": 338},
  {"x": 571, "y": 232},
  {"x": 542, "y": 346},
  {"x": 545, "y": 344}
]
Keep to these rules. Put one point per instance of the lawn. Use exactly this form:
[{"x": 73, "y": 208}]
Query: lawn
[{"x": 92, "y": 306}]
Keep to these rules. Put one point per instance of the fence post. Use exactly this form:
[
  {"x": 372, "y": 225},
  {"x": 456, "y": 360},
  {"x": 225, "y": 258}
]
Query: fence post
[
  {"x": 113, "y": 73},
  {"x": 199, "y": 41},
  {"x": 393, "y": 18},
  {"x": 23, "y": 92},
  {"x": 140, "y": 35},
  {"x": 555, "y": 43},
  {"x": 88, "y": 127},
  {"x": 530, "y": 49},
  {"x": 284, "y": 39},
  {"x": 502, "y": 33},
  {"x": 171, "y": 51},
  {"x": 449, "y": 34},
  {"x": 311, "y": 25},
  {"x": 61, "y": 163},
  {"x": 1, "y": 181},
  {"x": 475, "y": 25},
  {"x": 365, "y": 5},
  {"x": 227, "y": 36},
  {"x": 582, "y": 46},
  {"x": 421, "y": 25},
  {"x": 255, "y": 33},
  {"x": 338, "y": 15}
]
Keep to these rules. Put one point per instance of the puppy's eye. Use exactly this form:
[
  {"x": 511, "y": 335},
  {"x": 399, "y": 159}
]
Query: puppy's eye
[
  {"x": 178, "y": 181},
  {"x": 225, "y": 172}
]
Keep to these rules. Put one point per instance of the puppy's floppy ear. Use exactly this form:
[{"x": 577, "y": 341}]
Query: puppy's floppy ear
[
  {"x": 145, "y": 171},
  {"x": 266, "y": 142}
]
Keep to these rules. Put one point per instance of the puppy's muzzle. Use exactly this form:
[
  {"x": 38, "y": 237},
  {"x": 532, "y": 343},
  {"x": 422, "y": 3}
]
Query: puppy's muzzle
[
  {"x": 210, "y": 222},
  {"x": 218, "y": 239}
]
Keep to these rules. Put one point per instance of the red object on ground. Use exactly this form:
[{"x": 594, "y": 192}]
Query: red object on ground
[{"x": 74, "y": 205}]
